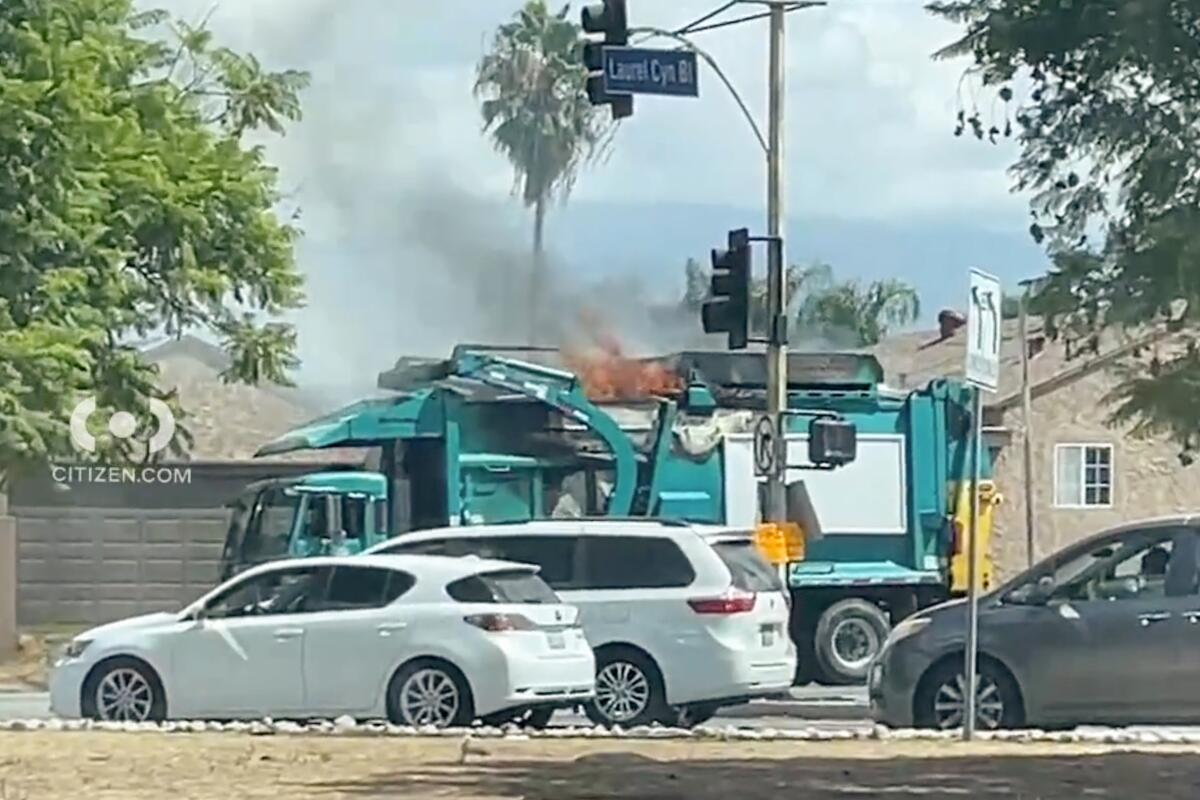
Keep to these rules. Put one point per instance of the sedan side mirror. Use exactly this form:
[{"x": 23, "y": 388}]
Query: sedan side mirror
[
  {"x": 1035, "y": 594},
  {"x": 1042, "y": 591}
]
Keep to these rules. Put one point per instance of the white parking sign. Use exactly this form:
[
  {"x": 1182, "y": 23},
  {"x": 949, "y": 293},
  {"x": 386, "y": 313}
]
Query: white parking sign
[{"x": 983, "y": 331}]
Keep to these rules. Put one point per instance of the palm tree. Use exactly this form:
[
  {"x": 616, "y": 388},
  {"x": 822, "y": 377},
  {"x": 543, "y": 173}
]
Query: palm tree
[
  {"x": 532, "y": 87},
  {"x": 849, "y": 314},
  {"x": 842, "y": 314}
]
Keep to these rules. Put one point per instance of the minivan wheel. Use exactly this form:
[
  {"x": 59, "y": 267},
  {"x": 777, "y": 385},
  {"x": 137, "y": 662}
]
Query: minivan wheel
[
  {"x": 849, "y": 635},
  {"x": 941, "y": 698},
  {"x": 629, "y": 691}
]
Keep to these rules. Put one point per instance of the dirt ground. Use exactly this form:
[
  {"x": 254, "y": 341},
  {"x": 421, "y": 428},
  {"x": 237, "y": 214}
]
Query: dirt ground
[
  {"x": 111, "y": 766},
  {"x": 35, "y": 648},
  {"x": 28, "y": 670}
]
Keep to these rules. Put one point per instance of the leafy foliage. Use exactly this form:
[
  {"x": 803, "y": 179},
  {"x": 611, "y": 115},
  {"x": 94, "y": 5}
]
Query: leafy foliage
[
  {"x": 845, "y": 314},
  {"x": 532, "y": 86},
  {"x": 1110, "y": 151},
  {"x": 128, "y": 206},
  {"x": 533, "y": 97}
]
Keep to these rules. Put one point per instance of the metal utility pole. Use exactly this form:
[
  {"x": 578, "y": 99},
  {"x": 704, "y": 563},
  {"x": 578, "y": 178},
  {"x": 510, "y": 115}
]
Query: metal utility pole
[
  {"x": 972, "y": 665},
  {"x": 1027, "y": 414},
  {"x": 776, "y": 510}
]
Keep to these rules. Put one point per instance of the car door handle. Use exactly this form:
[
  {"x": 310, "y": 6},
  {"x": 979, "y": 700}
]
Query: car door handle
[
  {"x": 1146, "y": 620},
  {"x": 1192, "y": 617},
  {"x": 283, "y": 634},
  {"x": 388, "y": 628}
]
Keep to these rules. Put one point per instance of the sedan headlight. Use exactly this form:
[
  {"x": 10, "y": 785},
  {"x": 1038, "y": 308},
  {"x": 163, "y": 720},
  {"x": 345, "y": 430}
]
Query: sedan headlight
[
  {"x": 907, "y": 628},
  {"x": 76, "y": 647}
]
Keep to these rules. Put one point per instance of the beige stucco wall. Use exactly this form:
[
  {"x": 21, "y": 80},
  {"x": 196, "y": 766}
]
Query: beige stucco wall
[
  {"x": 8, "y": 580},
  {"x": 1148, "y": 479}
]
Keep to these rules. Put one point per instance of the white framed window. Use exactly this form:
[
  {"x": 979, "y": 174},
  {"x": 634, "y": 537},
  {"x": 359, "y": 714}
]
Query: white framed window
[{"x": 1083, "y": 475}]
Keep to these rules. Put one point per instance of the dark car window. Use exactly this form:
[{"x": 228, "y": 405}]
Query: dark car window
[
  {"x": 509, "y": 586},
  {"x": 1155, "y": 562},
  {"x": 429, "y": 547},
  {"x": 555, "y": 555},
  {"x": 363, "y": 587},
  {"x": 749, "y": 569},
  {"x": 285, "y": 591},
  {"x": 634, "y": 562}
]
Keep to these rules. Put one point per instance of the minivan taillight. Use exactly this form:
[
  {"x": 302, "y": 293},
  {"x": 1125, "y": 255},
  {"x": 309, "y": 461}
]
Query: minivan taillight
[
  {"x": 500, "y": 622},
  {"x": 726, "y": 604}
]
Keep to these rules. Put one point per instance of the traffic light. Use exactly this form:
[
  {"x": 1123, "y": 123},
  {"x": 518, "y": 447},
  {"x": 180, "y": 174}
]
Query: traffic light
[
  {"x": 608, "y": 18},
  {"x": 729, "y": 310}
]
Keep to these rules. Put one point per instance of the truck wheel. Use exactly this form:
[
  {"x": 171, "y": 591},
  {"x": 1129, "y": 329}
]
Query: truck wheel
[{"x": 849, "y": 634}]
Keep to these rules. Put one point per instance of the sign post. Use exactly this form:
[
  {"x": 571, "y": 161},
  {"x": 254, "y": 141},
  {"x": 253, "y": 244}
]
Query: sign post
[{"x": 983, "y": 373}]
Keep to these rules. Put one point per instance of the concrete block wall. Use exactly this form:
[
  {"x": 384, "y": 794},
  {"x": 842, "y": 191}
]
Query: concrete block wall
[
  {"x": 81, "y": 565},
  {"x": 8, "y": 580}
]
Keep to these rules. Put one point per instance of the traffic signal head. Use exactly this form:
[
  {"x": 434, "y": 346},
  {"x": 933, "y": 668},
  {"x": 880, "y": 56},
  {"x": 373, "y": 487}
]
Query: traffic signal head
[
  {"x": 729, "y": 309},
  {"x": 608, "y": 18}
]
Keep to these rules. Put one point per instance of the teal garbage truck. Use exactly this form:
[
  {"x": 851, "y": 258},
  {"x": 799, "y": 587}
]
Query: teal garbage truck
[{"x": 487, "y": 437}]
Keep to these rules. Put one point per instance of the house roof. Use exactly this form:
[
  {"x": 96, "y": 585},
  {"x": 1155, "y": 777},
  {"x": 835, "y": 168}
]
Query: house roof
[
  {"x": 230, "y": 421},
  {"x": 911, "y": 360}
]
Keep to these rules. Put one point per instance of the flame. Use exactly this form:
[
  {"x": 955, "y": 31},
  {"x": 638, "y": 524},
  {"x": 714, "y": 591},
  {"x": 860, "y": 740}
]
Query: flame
[{"x": 608, "y": 375}]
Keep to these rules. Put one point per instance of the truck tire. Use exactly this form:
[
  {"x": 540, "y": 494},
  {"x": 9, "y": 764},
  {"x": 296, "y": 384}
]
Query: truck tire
[{"x": 850, "y": 633}]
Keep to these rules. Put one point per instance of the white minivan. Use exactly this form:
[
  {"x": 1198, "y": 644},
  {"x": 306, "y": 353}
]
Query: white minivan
[{"x": 683, "y": 619}]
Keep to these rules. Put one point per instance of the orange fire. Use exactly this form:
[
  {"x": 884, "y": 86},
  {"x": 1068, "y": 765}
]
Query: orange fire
[{"x": 608, "y": 375}]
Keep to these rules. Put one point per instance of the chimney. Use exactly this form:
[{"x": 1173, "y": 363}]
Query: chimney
[{"x": 950, "y": 321}]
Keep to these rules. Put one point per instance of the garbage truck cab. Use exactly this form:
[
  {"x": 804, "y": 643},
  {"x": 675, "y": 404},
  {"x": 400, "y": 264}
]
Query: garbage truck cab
[{"x": 323, "y": 513}]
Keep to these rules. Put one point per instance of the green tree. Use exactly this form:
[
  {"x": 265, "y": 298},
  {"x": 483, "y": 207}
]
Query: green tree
[
  {"x": 129, "y": 205},
  {"x": 1109, "y": 136},
  {"x": 532, "y": 88}
]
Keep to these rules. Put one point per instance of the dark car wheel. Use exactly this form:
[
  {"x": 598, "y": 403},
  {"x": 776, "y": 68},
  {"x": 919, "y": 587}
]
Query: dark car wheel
[
  {"x": 849, "y": 634},
  {"x": 123, "y": 690},
  {"x": 941, "y": 697},
  {"x": 629, "y": 690},
  {"x": 430, "y": 692}
]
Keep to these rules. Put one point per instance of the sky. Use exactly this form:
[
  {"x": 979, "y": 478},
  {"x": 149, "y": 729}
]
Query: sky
[{"x": 412, "y": 234}]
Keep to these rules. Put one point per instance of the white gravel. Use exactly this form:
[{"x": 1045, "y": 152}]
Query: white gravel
[{"x": 346, "y": 726}]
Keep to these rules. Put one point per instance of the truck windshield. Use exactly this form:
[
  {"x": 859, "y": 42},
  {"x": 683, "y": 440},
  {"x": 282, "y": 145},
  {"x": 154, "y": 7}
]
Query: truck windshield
[{"x": 750, "y": 571}]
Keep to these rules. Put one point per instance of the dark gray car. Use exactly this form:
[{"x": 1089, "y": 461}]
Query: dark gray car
[{"x": 1106, "y": 631}]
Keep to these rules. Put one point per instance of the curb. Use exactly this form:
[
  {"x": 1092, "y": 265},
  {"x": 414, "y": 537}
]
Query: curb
[{"x": 346, "y": 727}]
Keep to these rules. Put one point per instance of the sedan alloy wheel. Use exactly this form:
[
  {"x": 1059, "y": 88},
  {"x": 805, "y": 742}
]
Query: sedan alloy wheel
[{"x": 429, "y": 696}]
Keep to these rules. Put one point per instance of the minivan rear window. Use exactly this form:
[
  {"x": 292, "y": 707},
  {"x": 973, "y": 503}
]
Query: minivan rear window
[
  {"x": 509, "y": 586},
  {"x": 750, "y": 571}
]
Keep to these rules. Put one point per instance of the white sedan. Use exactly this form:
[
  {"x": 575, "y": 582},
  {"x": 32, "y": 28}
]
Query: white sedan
[{"x": 420, "y": 640}]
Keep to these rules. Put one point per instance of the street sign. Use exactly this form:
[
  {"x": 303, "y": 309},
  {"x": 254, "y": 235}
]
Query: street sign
[
  {"x": 983, "y": 331},
  {"x": 640, "y": 70},
  {"x": 766, "y": 446}
]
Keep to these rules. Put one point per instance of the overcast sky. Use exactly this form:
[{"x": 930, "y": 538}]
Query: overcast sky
[{"x": 390, "y": 116}]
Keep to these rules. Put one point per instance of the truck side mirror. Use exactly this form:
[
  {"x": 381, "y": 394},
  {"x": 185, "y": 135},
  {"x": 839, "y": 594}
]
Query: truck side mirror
[{"x": 832, "y": 441}]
